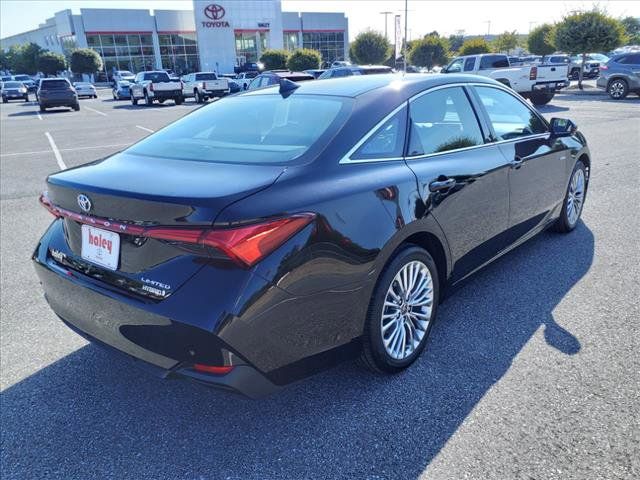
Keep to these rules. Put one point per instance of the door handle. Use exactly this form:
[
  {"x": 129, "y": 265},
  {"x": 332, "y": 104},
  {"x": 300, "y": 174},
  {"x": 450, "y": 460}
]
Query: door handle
[
  {"x": 516, "y": 162},
  {"x": 439, "y": 185}
]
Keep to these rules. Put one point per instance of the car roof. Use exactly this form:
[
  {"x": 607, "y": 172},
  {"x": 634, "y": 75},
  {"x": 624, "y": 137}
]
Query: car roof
[{"x": 357, "y": 85}]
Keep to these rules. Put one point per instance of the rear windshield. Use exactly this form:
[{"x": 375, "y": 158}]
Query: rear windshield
[
  {"x": 259, "y": 129},
  {"x": 206, "y": 76},
  {"x": 54, "y": 84},
  {"x": 12, "y": 84},
  {"x": 21, "y": 77},
  {"x": 157, "y": 77},
  {"x": 372, "y": 71}
]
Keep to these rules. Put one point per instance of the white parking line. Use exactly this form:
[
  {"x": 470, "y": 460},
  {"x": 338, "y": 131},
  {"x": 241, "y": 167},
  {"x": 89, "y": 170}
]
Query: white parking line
[
  {"x": 145, "y": 129},
  {"x": 56, "y": 152},
  {"x": 65, "y": 149},
  {"x": 97, "y": 111}
]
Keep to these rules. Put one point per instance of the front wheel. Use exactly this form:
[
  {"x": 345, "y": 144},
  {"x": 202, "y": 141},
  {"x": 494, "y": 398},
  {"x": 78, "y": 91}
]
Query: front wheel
[
  {"x": 76, "y": 107},
  {"x": 402, "y": 310},
  {"x": 539, "y": 99},
  {"x": 573, "y": 200},
  {"x": 134, "y": 100},
  {"x": 618, "y": 89},
  {"x": 26, "y": 98}
]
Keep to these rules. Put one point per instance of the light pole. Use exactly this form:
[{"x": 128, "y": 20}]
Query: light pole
[
  {"x": 386, "y": 14},
  {"x": 488, "y": 22},
  {"x": 404, "y": 53}
]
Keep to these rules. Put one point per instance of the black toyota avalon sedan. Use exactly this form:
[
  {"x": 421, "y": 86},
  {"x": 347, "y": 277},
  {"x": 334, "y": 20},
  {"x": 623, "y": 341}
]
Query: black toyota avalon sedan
[{"x": 277, "y": 232}]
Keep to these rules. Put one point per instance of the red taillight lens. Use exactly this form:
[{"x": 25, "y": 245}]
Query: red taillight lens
[
  {"x": 212, "y": 369},
  {"x": 604, "y": 67},
  {"x": 533, "y": 73}
]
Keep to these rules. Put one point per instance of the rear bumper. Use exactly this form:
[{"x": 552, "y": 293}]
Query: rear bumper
[
  {"x": 166, "y": 94},
  {"x": 166, "y": 348},
  {"x": 58, "y": 102},
  {"x": 550, "y": 86},
  {"x": 216, "y": 93}
]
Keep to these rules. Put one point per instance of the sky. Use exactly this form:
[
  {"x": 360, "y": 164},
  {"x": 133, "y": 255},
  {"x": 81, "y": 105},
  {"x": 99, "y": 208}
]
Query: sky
[{"x": 424, "y": 16}]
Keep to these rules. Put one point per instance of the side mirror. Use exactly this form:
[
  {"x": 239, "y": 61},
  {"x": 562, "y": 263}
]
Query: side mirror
[{"x": 562, "y": 127}]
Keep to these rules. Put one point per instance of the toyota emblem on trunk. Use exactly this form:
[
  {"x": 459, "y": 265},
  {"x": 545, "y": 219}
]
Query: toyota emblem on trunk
[{"x": 84, "y": 202}]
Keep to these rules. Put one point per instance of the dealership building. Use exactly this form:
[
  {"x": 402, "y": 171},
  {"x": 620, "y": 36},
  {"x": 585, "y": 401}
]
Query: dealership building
[{"x": 213, "y": 36}]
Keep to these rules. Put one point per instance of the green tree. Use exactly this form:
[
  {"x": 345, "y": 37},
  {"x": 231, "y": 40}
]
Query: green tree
[
  {"x": 85, "y": 60},
  {"x": 303, "y": 59},
  {"x": 274, "y": 59},
  {"x": 455, "y": 42},
  {"x": 429, "y": 51},
  {"x": 539, "y": 41},
  {"x": 26, "y": 58},
  {"x": 584, "y": 32},
  {"x": 505, "y": 42},
  {"x": 474, "y": 46},
  {"x": 631, "y": 27},
  {"x": 369, "y": 48},
  {"x": 51, "y": 63}
]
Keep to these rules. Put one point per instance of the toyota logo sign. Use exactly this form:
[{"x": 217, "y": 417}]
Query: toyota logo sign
[{"x": 214, "y": 12}]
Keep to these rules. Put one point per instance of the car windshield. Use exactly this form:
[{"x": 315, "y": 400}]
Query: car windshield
[
  {"x": 260, "y": 129},
  {"x": 206, "y": 76},
  {"x": 54, "y": 84},
  {"x": 12, "y": 85}
]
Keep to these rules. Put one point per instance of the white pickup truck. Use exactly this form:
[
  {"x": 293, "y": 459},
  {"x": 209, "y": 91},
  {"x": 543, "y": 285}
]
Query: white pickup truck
[
  {"x": 156, "y": 85},
  {"x": 538, "y": 83},
  {"x": 204, "y": 85}
]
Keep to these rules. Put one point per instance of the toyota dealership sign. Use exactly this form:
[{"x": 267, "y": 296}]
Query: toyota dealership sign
[{"x": 215, "y": 13}]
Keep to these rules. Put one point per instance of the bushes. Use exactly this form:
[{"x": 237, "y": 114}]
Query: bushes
[
  {"x": 274, "y": 59},
  {"x": 539, "y": 41},
  {"x": 369, "y": 48},
  {"x": 429, "y": 51},
  {"x": 474, "y": 46},
  {"x": 303, "y": 59},
  {"x": 85, "y": 60},
  {"x": 51, "y": 63}
]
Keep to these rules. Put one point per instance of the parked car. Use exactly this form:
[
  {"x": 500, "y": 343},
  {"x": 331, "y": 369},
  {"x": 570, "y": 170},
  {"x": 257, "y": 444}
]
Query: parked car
[
  {"x": 340, "y": 63},
  {"x": 120, "y": 90},
  {"x": 123, "y": 75},
  {"x": 348, "y": 71},
  {"x": 204, "y": 85},
  {"x": 245, "y": 247},
  {"x": 234, "y": 87},
  {"x": 273, "y": 77},
  {"x": 244, "y": 79},
  {"x": 556, "y": 59},
  {"x": 621, "y": 75},
  {"x": 248, "y": 67},
  {"x": 6, "y": 78},
  {"x": 315, "y": 72},
  {"x": 538, "y": 82},
  {"x": 14, "y": 91},
  {"x": 172, "y": 75},
  {"x": 85, "y": 89},
  {"x": 155, "y": 85},
  {"x": 27, "y": 81},
  {"x": 591, "y": 65},
  {"x": 57, "y": 92}
]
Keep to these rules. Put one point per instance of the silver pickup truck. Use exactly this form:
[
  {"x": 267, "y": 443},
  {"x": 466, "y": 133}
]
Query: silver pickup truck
[
  {"x": 538, "y": 82},
  {"x": 204, "y": 85},
  {"x": 155, "y": 86}
]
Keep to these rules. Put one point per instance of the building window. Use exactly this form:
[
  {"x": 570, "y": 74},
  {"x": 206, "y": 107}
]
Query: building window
[
  {"x": 179, "y": 52},
  {"x": 329, "y": 44},
  {"x": 290, "y": 40},
  {"x": 246, "y": 47},
  {"x": 132, "y": 52}
]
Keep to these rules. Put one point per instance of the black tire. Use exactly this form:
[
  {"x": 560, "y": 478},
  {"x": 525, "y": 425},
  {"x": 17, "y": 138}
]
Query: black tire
[
  {"x": 575, "y": 74},
  {"x": 539, "y": 99},
  {"x": 76, "y": 107},
  {"x": 26, "y": 98},
  {"x": 563, "y": 224},
  {"x": 374, "y": 355},
  {"x": 197, "y": 96},
  {"x": 618, "y": 88},
  {"x": 95, "y": 96},
  {"x": 43, "y": 109},
  {"x": 178, "y": 100},
  {"x": 134, "y": 101},
  {"x": 5, "y": 100},
  {"x": 147, "y": 99},
  {"x": 115, "y": 97}
]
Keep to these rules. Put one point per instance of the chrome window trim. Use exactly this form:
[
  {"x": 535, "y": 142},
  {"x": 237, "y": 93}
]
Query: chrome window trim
[{"x": 346, "y": 159}]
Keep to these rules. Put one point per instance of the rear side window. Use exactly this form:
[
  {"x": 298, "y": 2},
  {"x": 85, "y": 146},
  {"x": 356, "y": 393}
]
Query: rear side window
[
  {"x": 509, "y": 117},
  {"x": 630, "y": 60},
  {"x": 387, "y": 141},
  {"x": 469, "y": 64},
  {"x": 256, "y": 129},
  {"x": 493, "y": 61},
  {"x": 206, "y": 76},
  {"x": 60, "y": 84},
  {"x": 157, "y": 77},
  {"x": 443, "y": 120}
]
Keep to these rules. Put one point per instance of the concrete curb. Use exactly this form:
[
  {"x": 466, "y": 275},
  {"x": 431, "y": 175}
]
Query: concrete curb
[{"x": 587, "y": 91}]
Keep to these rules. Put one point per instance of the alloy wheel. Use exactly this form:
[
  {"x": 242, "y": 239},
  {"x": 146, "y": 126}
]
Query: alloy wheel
[
  {"x": 616, "y": 89},
  {"x": 407, "y": 310},
  {"x": 575, "y": 199}
]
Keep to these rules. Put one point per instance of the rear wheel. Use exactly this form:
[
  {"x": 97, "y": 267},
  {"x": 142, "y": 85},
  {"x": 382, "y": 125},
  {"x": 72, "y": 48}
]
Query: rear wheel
[
  {"x": 539, "y": 99},
  {"x": 573, "y": 200},
  {"x": 26, "y": 98},
  {"x": 197, "y": 96},
  {"x": 575, "y": 74},
  {"x": 178, "y": 100},
  {"x": 618, "y": 88},
  {"x": 134, "y": 101},
  {"x": 402, "y": 310},
  {"x": 5, "y": 100},
  {"x": 147, "y": 99},
  {"x": 76, "y": 107},
  {"x": 42, "y": 109}
]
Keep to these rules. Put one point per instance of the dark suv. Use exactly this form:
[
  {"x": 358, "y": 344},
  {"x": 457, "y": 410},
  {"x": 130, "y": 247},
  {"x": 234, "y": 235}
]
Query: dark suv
[
  {"x": 621, "y": 75},
  {"x": 57, "y": 92}
]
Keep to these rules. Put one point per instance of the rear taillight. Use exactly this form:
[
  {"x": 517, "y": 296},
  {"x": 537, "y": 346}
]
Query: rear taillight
[
  {"x": 246, "y": 245},
  {"x": 199, "y": 367},
  {"x": 533, "y": 73},
  {"x": 604, "y": 67}
]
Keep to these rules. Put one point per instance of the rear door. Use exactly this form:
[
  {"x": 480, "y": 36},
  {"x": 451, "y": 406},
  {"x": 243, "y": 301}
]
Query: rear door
[
  {"x": 538, "y": 163},
  {"x": 462, "y": 179}
]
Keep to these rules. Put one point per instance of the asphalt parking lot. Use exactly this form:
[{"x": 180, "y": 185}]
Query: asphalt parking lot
[{"x": 532, "y": 370}]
